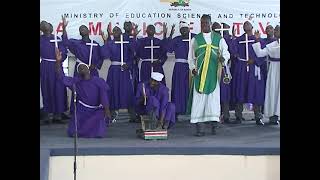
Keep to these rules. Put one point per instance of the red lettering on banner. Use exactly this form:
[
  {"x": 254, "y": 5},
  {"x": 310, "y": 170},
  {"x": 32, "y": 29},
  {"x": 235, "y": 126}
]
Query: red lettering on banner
[
  {"x": 263, "y": 30},
  {"x": 237, "y": 28},
  {"x": 60, "y": 27},
  {"x": 94, "y": 30}
]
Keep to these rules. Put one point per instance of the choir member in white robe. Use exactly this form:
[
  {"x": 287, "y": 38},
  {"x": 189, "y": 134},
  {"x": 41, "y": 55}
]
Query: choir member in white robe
[{"x": 272, "y": 96}]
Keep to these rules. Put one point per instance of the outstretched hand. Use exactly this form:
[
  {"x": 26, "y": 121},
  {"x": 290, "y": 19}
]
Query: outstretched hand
[
  {"x": 104, "y": 37},
  {"x": 257, "y": 34},
  {"x": 109, "y": 29},
  {"x": 64, "y": 22},
  {"x": 135, "y": 30},
  {"x": 165, "y": 28},
  {"x": 172, "y": 30}
]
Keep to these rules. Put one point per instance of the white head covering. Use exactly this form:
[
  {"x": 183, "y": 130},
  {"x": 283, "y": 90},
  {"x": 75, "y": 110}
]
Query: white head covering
[
  {"x": 80, "y": 64},
  {"x": 117, "y": 25},
  {"x": 183, "y": 24},
  {"x": 157, "y": 76}
]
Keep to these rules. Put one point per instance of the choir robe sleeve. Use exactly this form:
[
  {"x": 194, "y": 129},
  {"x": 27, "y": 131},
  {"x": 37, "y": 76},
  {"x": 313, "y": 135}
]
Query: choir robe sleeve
[
  {"x": 258, "y": 51},
  {"x": 103, "y": 93},
  {"x": 63, "y": 50},
  {"x": 163, "y": 52},
  {"x": 100, "y": 61},
  {"x": 192, "y": 55},
  {"x": 71, "y": 44},
  {"x": 139, "y": 93},
  {"x": 170, "y": 44},
  {"x": 137, "y": 46},
  {"x": 164, "y": 99},
  {"x": 67, "y": 81}
]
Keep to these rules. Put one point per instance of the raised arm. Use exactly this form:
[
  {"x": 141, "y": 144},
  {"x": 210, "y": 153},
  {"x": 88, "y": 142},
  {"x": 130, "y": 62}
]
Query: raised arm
[{"x": 67, "y": 81}]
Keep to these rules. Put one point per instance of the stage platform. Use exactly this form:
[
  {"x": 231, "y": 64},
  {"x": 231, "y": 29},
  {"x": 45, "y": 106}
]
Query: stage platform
[{"x": 241, "y": 139}]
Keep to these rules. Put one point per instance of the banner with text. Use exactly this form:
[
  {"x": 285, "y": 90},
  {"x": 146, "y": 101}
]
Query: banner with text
[{"x": 97, "y": 14}]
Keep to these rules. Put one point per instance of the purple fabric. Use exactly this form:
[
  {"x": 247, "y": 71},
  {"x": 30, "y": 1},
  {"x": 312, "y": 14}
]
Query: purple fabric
[
  {"x": 225, "y": 89},
  {"x": 156, "y": 100},
  {"x": 121, "y": 82},
  {"x": 54, "y": 93},
  {"x": 134, "y": 67},
  {"x": 82, "y": 52},
  {"x": 180, "y": 77},
  {"x": 248, "y": 89},
  {"x": 91, "y": 122},
  {"x": 158, "y": 53}
]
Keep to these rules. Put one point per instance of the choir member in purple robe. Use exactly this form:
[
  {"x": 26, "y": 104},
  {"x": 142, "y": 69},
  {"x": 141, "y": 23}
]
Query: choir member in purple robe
[
  {"x": 225, "y": 89},
  {"x": 180, "y": 78},
  {"x": 248, "y": 78},
  {"x": 92, "y": 102},
  {"x": 144, "y": 53},
  {"x": 54, "y": 93},
  {"x": 81, "y": 49},
  {"x": 152, "y": 99},
  {"x": 130, "y": 35},
  {"x": 119, "y": 76}
]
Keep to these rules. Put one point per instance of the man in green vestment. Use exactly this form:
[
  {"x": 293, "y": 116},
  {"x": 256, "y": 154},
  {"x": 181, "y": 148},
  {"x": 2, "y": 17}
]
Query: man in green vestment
[{"x": 208, "y": 50}]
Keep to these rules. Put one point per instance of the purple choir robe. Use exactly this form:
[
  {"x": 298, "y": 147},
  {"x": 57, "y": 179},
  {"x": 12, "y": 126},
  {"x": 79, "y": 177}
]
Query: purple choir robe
[
  {"x": 225, "y": 89},
  {"x": 144, "y": 54},
  {"x": 248, "y": 88},
  {"x": 54, "y": 93},
  {"x": 92, "y": 97},
  {"x": 156, "y": 100},
  {"x": 82, "y": 53},
  {"x": 120, "y": 82},
  {"x": 180, "y": 76},
  {"x": 134, "y": 69}
]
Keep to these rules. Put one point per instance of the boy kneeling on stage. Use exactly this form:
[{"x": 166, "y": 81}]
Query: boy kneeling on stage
[{"x": 152, "y": 99}]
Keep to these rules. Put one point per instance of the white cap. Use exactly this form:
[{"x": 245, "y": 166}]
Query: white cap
[
  {"x": 80, "y": 64},
  {"x": 117, "y": 25},
  {"x": 183, "y": 24},
  {"x": 157, "y": 76}
]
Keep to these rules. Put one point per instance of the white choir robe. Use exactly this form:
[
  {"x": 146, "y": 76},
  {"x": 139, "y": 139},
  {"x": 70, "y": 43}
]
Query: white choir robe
[
  {"x": 272, "y": 97},
  {"x": 206, "y": 107}
]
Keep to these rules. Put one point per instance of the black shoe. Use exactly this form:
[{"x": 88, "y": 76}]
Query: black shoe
[
  {"x": 65, "y": 116},
  {"x": 238, "y": 121},
  {"x": 48, "y": 119},
  {"x": 199, "y": 134},
  {"x": 277, "y": 122},
  {"x": 59, "y": 121},
  {"x": 227, "y": 121},
  {"x": 259, "y": 122}
]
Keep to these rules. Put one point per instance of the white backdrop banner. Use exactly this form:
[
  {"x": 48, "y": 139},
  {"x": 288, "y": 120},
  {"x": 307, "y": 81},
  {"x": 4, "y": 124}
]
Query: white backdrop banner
[{"x": 97, "y": 14}]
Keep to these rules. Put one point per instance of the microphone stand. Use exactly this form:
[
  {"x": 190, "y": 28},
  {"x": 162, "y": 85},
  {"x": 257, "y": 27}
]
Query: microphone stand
[{"x": 76, "y": 134}]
